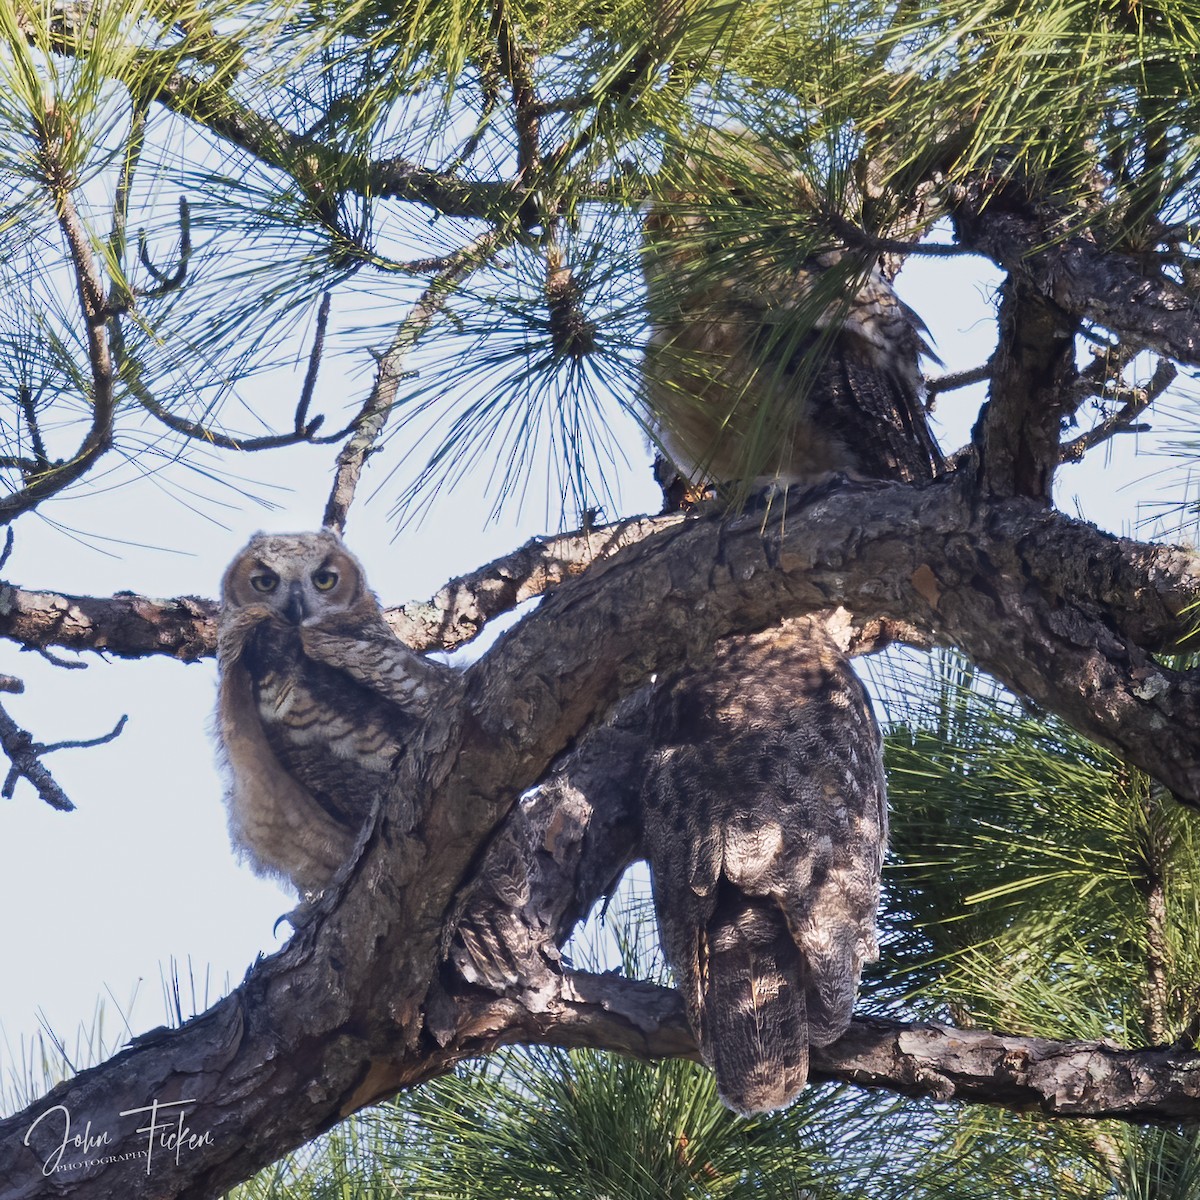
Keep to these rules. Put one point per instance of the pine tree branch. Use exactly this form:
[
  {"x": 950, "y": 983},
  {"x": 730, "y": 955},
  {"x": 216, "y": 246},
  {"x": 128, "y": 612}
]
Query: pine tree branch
[
  {"x": 1078, "y": 274},
  {"x": 212, "y": 106},
  {"x": 132, "y": 626},
  {"x": 342, "y": 1017},
  {"x": 1056, "y": 610},
  {"x": 958, "y": 379},
  {"x": 369, "y": 424},
  {"x": 94, "y": 315},
  {"x": 939, "y": 1062},
  {"x": 1031, "y": 393},
  {"x": 1125, "y": 419},
  {"x": 25, "y": 755}
]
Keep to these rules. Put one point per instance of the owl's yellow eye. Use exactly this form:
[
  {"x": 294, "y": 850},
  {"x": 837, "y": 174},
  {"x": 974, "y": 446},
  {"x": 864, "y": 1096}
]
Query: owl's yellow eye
[
  {"x": 324, "y": 580},
  {"x": 266, "y": 582}
]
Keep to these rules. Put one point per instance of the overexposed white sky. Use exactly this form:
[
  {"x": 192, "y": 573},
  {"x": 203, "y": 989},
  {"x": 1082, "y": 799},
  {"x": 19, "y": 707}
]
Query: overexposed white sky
[{"x": 100, "y": 901}]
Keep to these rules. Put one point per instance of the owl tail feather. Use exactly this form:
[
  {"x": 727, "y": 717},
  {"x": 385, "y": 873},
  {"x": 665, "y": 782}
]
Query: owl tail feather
[{"x": 753, "y": 1020}]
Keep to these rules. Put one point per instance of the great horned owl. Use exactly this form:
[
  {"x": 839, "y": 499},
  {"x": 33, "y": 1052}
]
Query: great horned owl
[
  {"x": 765, "y": 822},
  {"x": 764, "y": 804},
  {"x": 316, "y": 700},
  {"x": 768, "y": 362}
]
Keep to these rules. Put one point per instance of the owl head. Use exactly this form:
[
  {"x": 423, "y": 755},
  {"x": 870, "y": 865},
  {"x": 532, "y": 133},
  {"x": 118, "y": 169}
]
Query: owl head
[{"x": 301, "y": 577}]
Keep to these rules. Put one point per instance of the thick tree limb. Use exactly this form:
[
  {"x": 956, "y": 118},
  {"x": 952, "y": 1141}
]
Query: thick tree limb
[
  {"x": 125, "y": 625},
  {"x": 1063, "y": 1079},
  {"x": 1091, "y": 1079},
  {"x": 1052, "y": 607},
  {"x": 1031, "y": 392},
  {"x": 131, "y": 626},
  {"x": 1081, "y": 276},
  {"x": 460, "y": 610},
  {"x": 344, "y": 1016},
  {"x": 1000, "y": 582}
]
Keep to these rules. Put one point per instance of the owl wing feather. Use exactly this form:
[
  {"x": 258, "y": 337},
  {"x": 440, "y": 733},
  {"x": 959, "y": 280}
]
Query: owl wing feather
[
  {"x": 765, "y": 822},
  {"x": 378, "y": 660},
  {"x": 770, "y": 359},
  {"x": 274, "y": 820},
  {"x": 766, "y": 368}
]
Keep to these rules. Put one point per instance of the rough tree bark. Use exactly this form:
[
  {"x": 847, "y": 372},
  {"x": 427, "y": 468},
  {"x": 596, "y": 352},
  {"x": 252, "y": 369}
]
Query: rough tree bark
[
  {"x": 360, "y": 1003},
  {"x": 379, "y": 989}
]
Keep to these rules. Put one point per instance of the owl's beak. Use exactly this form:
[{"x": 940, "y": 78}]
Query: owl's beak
[{"x": 295, "y": 610}]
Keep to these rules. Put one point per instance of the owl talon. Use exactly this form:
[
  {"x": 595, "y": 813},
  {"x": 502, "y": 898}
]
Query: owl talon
[{"x": 303, "y": 915}]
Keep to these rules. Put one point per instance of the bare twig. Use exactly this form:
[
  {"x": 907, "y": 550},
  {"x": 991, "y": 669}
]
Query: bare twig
[
  {"x": 131, "y": 374},
  {"x": 223, "y": 441},
  {"x": 175, "y": 280},
  {"x": 958, "y": 379},
  {"x": 11, "y": 684},
  {"x": 25, "y": 755},
  {"x": 369, "y": 424},
  {"x": 1109, "y": 361},
  {"x": 1124, "y": 420},
  {"x": 855, "y": 235},
  {"x": 314, "y": 363},
  {"x": 119, "y": 296},
  {"x": 29, "y": 411},
  {"x": 66, "y": 663},
  {"x": 212, "y": 105},
  {"x": 87, "y": 743},
  {"x": 28, "y": 467}
]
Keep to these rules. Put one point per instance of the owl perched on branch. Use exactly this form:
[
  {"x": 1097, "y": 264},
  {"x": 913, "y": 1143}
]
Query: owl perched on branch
[
  {"x": 316, "y": 701},
  {"x": 765, "y": 822},
  {"x": 772, "y": 357},
  {"x": 765, "y": 817}
]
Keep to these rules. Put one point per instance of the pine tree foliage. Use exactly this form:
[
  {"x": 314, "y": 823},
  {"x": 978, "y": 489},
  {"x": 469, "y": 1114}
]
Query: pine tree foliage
[
  {"x": 197, "y": 192},
  {"x": 213, "y": 169},
  {"x": 1037, "y": 884}
]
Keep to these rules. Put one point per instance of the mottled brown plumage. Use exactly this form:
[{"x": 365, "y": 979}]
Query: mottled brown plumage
[
  {"x": 316, "y": 700},
  {"x": 762, "y": 367},
  {"x": 765, "y": 824},
  {"x": 764, "y": 804}
]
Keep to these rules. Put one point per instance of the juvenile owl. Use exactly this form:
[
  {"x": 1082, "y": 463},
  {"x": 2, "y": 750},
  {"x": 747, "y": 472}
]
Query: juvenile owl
[
  {"x": 764, "y": 806},
  {"x": 316, "y": 701}
]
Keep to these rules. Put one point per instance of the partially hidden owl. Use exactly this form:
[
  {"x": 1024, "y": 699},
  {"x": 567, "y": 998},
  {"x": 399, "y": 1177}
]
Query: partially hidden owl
[
  {"x": 765, "y": 822},
  {"x": 770, "y": 357},
  {"x": 317, "y": 699},
  {"x": 765, "y": 817}
]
